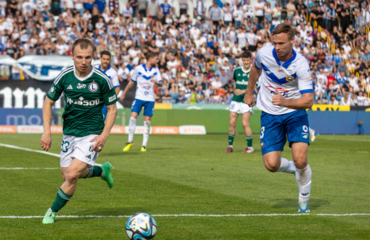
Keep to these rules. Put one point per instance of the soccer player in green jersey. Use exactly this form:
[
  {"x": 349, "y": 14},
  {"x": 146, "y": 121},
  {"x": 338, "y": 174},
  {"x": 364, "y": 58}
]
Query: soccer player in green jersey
[
  {"x": 86, "y": 89},
  {"x": 237, "y": 105}
]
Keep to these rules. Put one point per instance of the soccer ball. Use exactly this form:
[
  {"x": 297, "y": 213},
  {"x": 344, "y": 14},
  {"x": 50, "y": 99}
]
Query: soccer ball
[{"x": 141, "y": 226}]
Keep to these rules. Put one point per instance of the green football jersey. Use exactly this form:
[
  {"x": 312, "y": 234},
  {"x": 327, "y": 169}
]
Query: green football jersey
[
  {"x": 84, "y": 100},
  {"x": 241, "y": 78}
]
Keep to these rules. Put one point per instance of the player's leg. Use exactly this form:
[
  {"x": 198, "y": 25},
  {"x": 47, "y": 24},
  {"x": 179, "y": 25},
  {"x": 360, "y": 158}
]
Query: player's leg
[
  {"x": 67, "y": 189},
  {"x": 297, "y": 129},
  {"x": 275, "y": 163},
  {"x": 135, "y": 111},
  {"x": 148, "y": 113},
  {"x": 233, "y": 117},
  {"x": 248, "y": 132}
]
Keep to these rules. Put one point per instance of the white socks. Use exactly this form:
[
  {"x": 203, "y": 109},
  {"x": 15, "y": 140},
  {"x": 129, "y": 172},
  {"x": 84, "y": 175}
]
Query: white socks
[
  {"x": 303, "y": 177},
  {"x": 131, "y": 129},
  {"x": 146, "y": 133},
  {"x": 286, "y": 166}
]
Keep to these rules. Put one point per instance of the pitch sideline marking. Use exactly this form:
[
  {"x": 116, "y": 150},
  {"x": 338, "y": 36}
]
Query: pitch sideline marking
[
  {"x": 199, "y": 215},
  {"x": 354, "y": 140}
]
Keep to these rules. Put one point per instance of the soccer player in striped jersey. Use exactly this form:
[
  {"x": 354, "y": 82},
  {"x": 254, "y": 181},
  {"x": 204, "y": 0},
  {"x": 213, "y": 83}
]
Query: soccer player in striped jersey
[
  {"x": 105, "y": 60},
  {"x": 86, "y": 90},
  {"x": 146, "y": 76},
  {"x": 285, "y": 93}
]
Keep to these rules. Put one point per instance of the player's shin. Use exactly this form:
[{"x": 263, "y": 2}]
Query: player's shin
[
  {"x": 96, "y": 171},
  {"x": 303, "y": 177},
  {"x": 146, "y": 133},
  {"x": 131, "y": 131},
  {"x": 60, "y": 201},
  {"x": 286, "y": 166}
]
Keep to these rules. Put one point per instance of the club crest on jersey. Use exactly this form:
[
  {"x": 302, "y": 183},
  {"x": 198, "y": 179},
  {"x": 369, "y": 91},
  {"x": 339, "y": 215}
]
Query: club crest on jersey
[
  {"x": 280, "y": 70},
  {"x": 290, "y": 78},
  {"x": 93, "y": 87}
]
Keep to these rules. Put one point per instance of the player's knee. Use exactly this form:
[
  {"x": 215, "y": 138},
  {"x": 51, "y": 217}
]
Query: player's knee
[
  {"x": 272, "y": 166},
  {"x": 245, "y": 124},
  {"x": 300, "y": 164},
  {"x": 72, "y": 177}
]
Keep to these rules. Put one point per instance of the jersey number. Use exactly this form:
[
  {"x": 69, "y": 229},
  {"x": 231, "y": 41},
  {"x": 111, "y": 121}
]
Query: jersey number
[
  {"x": 262, "y": 132},
  {"x": 65, "y": 145}
]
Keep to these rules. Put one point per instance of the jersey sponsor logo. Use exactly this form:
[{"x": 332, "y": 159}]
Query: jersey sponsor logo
[
  {"x": 93, "y": 87},
  {"x": 273, "y": 90},
  {"x": 290, "y": 78},
  {"x": 242, "y": 82},
  {"x": 70, "y": 87},
  {"x": 112, "y": 98},
  {"x": 280, "y": 70},
  {"x": 83, "y": 102},
  {"x": 238, "y": 74},
  {"x": 52, "y": 91},
  {"x": 79, "y": 86},
  {"x": 146, "y": 87}
]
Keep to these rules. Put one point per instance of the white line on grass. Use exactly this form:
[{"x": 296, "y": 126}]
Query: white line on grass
[
  {"x": 23, "y": 168},
  {"x": 29, "y": 150},
  {"x": 32, "y": 150},
  {"x": 201, "y": 215},
  {"x": 345, "y": 139}
]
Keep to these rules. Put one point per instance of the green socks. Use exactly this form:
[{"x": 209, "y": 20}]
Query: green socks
[
  {"x": 249, "y": 141},
  {"x": 231, "y": 139},
  {"x": 60, "y": 201},
  {"x": 96, "y": 171}
]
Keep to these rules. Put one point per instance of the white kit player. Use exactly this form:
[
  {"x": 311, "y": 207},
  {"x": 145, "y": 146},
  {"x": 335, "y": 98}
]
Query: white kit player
[
  {"x": 146, "y": 76},
  {"x": 105, "y": 59},
  {"x": 285, "y": 93}
]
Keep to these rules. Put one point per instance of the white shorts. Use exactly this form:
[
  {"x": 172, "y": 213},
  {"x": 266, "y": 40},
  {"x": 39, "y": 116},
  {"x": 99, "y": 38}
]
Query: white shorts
[
  {"x": 240, "y": 108},
  {"x": 77, "y": 147}
]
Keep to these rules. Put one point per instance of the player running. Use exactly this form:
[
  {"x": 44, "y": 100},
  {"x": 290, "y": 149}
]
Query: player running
[
  {"x": 146, "y": 76},
  {"x": 86, "y": 90},
  {"x": 285, "y": 92},
  {"x": 237, "y": 105},
  {"x": 105, "y": 60}
]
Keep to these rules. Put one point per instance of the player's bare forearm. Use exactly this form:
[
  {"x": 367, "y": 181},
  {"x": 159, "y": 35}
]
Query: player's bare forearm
[
  {"x": 46, "y": 114},
  {"x": 306, "y": 101},
  {"x": 117, "y": 89},
  {"x": 129, "y": 85},
  {"x": 253, "y": 77},
  {"x": 109, "y": 121}
]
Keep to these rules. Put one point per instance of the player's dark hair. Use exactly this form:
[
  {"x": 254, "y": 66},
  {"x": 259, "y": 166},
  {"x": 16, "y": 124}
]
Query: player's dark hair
[
  {"x": 246, "y": 54},
  {"x": 84, "y": 43},
  {"x": 284, "y": 28},
  {"x": 150, "y": 55},
  {"x": 105, "y": 52}
]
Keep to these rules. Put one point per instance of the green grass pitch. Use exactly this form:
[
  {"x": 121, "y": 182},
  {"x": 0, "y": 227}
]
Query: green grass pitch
[{"x": 189, "y": 175}]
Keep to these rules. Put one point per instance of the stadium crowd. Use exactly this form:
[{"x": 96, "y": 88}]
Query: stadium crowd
[{"x": 198, "y": 53}]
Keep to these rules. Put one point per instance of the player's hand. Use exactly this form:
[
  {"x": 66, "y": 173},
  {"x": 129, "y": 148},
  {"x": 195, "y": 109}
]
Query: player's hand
[
  {"x": 278, "y": 99},
  {"x": 45, "y": 141},
  {"x": 99, "y": 143},
  {"x": 122, "y": 97},
  {"x": 249, "y": 100},
  {"x": 239, "y": 92}
]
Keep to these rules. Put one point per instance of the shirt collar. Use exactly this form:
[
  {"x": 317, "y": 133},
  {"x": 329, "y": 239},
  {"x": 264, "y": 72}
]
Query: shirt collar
[
  {"x": 150, "y": 69},
  {"x": 287, "y": 63},
  {"x": 105, "y": 69}
]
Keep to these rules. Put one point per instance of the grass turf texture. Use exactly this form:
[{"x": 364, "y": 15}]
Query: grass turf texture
[{"x": 190, "y": 175}]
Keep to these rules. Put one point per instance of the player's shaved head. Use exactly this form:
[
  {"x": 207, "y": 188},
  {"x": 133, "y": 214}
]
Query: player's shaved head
[
  {"x": 83, "y": 43},
  {"x": 284, "y": 28}
]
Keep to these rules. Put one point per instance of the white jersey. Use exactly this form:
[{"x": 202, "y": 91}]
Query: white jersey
[
  {"x": 292, "y": 78},
  {"x": 145, "y": 88},
  {"x": 112, "y": 74}
]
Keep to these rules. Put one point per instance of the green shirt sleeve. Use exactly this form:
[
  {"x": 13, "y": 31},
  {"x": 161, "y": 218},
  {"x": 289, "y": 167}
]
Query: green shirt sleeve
[
  {"x": 109, "y": 93},
  {"x": 56, "y": 89}
]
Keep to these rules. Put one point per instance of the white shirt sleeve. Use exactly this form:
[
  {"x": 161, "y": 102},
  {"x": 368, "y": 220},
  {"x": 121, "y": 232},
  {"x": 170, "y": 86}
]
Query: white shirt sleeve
[
  {"x": 304, "y": 77},
  {"x": 135, "y": 74},
  {"x": 158, "y": 76},
  {"x": 115, "y": 80}
]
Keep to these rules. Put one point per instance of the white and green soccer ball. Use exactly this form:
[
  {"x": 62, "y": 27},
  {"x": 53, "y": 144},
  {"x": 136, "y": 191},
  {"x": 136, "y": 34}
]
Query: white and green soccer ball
[{"x": 141, "y": 226}]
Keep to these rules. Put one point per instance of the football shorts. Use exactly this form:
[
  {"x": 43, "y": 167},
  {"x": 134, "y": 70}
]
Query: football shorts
[
  {"x": 240, "y": 108},
  {"x": 275, "y": 129},
  {"x": 77, "y": 147},
  {"x": 138, "y": 104}
]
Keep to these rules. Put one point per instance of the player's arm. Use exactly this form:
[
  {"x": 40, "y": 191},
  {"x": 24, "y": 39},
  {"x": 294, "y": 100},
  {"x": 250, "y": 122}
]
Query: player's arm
[
  {"x": 46, "y": 117},
  {"x": 306, "y": 101},
  {"x": 130, "y": 84},
  {"x": 253, "y": 77}
]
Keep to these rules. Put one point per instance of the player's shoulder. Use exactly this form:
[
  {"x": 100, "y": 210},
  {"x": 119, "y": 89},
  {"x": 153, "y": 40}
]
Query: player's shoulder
[
  {"x": 63, "y": 74},
  {"x": 101, "y": 77},
  {"x": 237, "y": 69},
  {"x": 266, "y": 50},
  {"x": 300, "y": 60}
]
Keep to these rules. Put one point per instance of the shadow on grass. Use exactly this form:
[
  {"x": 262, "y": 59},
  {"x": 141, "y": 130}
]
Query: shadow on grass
[
  {"x": 113, "y": 211},
  {"x": 289, "y": 203}
]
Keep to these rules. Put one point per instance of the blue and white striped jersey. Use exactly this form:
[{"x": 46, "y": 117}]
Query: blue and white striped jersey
[
  {"x": 112, "y": 74},
  {"x": 145, "y": 88},
  {"x": 292, "y": 78}
]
